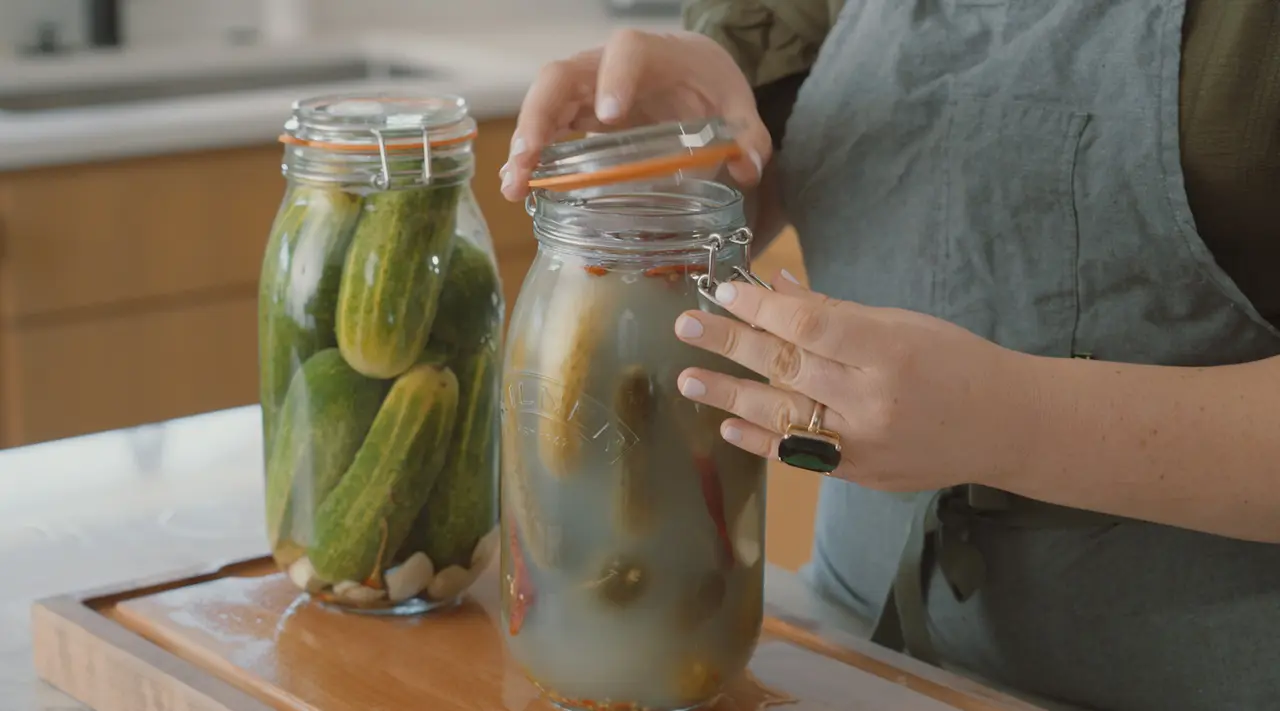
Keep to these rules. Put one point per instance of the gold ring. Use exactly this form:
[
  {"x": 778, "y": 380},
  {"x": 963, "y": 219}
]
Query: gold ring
[
  {"x": 815, "y": 422},
  {"x": 811, "y": 448}
]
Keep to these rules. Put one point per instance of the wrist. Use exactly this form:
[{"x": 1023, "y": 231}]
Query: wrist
[{"x": 1025, "y": 407}]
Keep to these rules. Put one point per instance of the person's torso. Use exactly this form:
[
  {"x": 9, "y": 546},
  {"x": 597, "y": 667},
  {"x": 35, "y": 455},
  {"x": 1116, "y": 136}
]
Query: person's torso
[{"x": 1014, "y": 167}]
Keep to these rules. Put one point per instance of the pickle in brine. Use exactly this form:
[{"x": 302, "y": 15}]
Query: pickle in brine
[
  {"x": 540, "y": 540},
  {"x": 620, "y": 581},
  {"x": 576, "y": 319},
  {"x": 634, "y": 406}
]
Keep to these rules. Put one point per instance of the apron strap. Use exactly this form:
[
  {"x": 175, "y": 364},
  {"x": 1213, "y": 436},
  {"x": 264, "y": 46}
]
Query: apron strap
[{"x": 940, "y": 524}]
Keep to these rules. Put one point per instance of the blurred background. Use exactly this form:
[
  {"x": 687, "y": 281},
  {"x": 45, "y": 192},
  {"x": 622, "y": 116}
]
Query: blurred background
[{"x": 140, "y": 174}]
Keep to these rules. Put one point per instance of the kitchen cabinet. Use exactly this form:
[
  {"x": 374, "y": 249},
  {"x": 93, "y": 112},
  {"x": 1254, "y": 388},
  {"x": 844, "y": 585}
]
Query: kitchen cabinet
[{"x": 128, "y": 288}]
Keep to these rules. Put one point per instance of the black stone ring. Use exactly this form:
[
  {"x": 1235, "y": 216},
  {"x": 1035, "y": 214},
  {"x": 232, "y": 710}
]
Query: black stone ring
[{"x": 811, "y": 448}]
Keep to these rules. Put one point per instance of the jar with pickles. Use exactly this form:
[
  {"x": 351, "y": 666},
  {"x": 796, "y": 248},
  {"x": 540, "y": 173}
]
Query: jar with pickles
[
  {"x": 380, "y": 344},
  {"x": 632, "y": 562}
]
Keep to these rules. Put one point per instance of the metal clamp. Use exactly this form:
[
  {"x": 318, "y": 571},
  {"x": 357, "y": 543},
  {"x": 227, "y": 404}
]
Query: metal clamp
[
  {"x": 383, "y": 179},
  {"x": 707, "y": 283}
]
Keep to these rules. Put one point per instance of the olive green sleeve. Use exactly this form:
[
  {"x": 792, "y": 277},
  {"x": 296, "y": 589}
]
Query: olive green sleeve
[{"x": 769, "y": 39}]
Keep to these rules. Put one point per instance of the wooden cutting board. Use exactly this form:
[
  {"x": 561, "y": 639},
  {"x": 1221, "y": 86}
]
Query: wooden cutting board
[{"x": 241, "y": 639}]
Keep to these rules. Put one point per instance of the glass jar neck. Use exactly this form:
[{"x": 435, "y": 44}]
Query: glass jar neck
[
  {"x": 380, "y": 169},
  {"x": 674, "y": 220},
  {"x": 380, "y": 141}
]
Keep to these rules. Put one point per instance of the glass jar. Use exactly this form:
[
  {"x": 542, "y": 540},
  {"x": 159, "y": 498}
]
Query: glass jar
[
  {"x": 380, "y": 324},
  {"x": 632, "y": 561}
]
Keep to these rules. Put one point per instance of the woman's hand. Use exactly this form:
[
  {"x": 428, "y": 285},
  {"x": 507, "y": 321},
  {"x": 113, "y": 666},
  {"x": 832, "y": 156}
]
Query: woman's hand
[
  {"x": 918, "y": 403},
  {"x": 636, "y": 78}
]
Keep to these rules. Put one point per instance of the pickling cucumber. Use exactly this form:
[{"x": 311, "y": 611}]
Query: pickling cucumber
[
  {"x": 463, "y": 504},
  {"x": 367, "y": 516},
  {"x": 298, "y": 287},
  {"x": 471, "y": 307},
  {"x": 326, "y": 414},
  {"x": 394, "y": 272},
  {"x": 634, "y": 407}
]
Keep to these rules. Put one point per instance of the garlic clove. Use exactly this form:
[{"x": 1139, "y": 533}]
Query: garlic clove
[
  {"x": 451, "y": 581},
  {"x": 410, "y": 577},
  {"x": 303, "y": 574},
  {"x": 356, "y": 594}
]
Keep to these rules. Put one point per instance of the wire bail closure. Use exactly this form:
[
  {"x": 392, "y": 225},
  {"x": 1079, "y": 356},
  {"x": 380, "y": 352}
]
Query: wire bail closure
[
  {"x": 707, "y": 283},
  {"x": 382, "y": 180}
]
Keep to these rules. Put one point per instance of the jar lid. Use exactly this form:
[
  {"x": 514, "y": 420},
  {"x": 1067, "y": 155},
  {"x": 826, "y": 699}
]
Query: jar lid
[
  {"x": 366, "y": 122},
  {"x": 636, "y": 154}
]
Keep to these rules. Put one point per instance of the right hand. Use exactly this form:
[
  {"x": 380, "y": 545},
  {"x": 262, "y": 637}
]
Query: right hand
[{"x": 637, "y": 78}]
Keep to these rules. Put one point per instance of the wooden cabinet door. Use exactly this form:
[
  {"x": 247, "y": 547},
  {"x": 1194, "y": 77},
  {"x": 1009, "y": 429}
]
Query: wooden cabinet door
[{"x": 139, "y": 233}]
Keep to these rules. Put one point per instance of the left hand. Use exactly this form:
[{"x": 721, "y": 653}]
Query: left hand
[{"x": 918, "y": 403}]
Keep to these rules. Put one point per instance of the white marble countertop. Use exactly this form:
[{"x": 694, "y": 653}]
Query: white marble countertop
[
  {"x": 99, "y": 510},
  {"x": 491, "y": 68}
]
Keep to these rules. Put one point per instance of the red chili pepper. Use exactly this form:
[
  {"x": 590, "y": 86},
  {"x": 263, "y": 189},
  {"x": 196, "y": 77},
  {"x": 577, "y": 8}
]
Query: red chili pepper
[
  {"x": 596, "y": 270},
  {"x": 520, "y": 594},
  {"x": 714, "y": 497}
]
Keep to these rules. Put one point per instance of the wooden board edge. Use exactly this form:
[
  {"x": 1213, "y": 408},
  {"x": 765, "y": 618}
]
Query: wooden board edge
[
  {"x": 109, "y": 668},
  {"x": 138, "y": 587}
]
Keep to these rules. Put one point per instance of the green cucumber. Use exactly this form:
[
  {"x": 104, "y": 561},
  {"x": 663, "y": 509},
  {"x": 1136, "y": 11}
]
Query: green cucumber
[
  {"x": 471, "y": 305},
  {"x": 326, "y": 414},
  {"x": 463, "y": 506},
  {"x": 394, "y": 273},
  {"x": 367, "y": 516},
  {"x": 298, "y": 287}
]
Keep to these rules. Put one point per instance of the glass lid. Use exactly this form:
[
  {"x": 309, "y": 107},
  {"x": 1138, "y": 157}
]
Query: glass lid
[{"x": 649, "y": 152}]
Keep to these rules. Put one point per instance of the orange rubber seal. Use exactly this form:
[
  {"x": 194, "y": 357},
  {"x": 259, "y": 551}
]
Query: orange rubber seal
[{"x": 648, "y": 168}]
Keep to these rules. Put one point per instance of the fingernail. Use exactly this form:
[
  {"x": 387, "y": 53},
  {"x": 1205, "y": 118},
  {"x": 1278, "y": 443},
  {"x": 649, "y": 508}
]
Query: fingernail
[
  {"x": 517, "y": 146},
  {"x": 726, "y": 293},
  {"x": 508, "y": 179},
  {"x": 731, "y": 434},
  {"x": 693, "y": 388},
  {"x": 608, "y": 108},
  {"x": 755, "y": 159},
  {"x": 688, "y": 327},
  {"x": 789, "y": 277},
  {"x": 505, "y": 167}
]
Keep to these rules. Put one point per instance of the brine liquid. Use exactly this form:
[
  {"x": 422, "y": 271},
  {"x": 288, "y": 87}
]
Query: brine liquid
[{"x": 632, "y": 550}]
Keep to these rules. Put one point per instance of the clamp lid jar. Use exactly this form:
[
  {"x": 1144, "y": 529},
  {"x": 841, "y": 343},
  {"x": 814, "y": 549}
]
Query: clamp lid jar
[
  {"x": 380, "y": 317},
  {"x": 632, "y": 554}
]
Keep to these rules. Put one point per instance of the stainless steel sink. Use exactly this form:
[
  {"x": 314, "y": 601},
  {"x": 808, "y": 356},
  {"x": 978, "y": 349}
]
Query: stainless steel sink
[{"x": 210, "y": 83}]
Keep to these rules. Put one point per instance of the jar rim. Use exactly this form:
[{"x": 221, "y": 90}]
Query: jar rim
[
  {"x": 673, "y": 216},
  {"x": 379, "y": 121}
]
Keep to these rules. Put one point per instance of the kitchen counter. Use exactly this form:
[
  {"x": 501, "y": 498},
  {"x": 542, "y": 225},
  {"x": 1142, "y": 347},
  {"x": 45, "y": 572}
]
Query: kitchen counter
[
  {"x": 102, "y": 509},
  {"x": 490, "y": 68}
]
